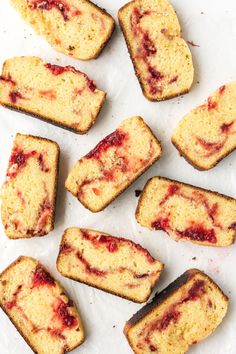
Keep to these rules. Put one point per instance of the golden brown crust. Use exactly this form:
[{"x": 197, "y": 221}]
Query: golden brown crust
[
  {"x": 28, "y": 235},
  {"x": 106, "y": 290},
  {"x": 104, "y": 12},
  {"x": 134, "y": 64},
  {"x": 51, "y": 121},
  {"x": 18, "y": 260},
  {"x": 163, "y": 295},
  {"x": 130, "y": 182},
  {"x": 193, "y": 163},
  {"x": 103, "y": 288}
]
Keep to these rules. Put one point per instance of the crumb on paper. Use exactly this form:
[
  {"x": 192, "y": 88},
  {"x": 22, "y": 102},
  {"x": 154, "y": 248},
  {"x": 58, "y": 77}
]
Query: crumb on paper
[
  {"x": 137, "y": 192},
  {"x": 194, "y": 258},
  {"x": 193, "y": 44}
]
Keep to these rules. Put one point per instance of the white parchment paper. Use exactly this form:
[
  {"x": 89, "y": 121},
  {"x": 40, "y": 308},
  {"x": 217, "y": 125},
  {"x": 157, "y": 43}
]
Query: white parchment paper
[{"x": 212, "y": 25}]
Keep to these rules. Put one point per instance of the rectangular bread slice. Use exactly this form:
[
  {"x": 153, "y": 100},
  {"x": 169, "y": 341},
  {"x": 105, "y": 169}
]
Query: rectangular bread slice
[
  {"x": 59, "y": 95},
  {"x": 77, "y": 28},
  {"x": 208, "y": 133},
  {"x": 29, "y": 192},
  {"x": 161, "y": 58},
  {"x": 188, "y": 213},
  {"x": 107, "y": 170},
  {"x": 183, "y": 314},
  {"x": 39, "y": 308},
  {"x": 116, "y": 265}
]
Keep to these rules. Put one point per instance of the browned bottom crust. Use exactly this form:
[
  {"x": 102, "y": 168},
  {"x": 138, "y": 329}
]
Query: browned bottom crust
[
  {"x": 108, "y": 291},
  {"x": 53, "y": 122},
  {"x": 185, "y": 156}
]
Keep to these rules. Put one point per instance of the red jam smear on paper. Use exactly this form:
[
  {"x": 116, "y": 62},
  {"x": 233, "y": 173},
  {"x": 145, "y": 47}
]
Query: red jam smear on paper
[
  {"x": 173, "y": 315},
  {"x": 115, "y": 139},
  {"x": 63, "y": 314},
  {"x": 41, "y": 277},
  {"x": 48, "y": 5}
]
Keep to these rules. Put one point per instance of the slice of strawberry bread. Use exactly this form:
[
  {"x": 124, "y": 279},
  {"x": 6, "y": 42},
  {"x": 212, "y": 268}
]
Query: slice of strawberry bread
[
  {"x": 77, "y": 28},
  {"x": 188, "y": 213},
  {"x": 39, "y": 308},
  {"x": 208, "y": 133},
  {"x": 60, "y": 95},
  {"x": 113, "y": 264},
  {"x": 29, "y": 192},
  {"x": 185, "y": 313},
  {"x": 161, "y": 58},
  {"x": 107, "y": 170}
]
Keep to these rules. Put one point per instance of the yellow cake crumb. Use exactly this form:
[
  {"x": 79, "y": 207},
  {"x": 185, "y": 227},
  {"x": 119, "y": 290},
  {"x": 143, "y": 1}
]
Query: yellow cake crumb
[
  {"x": 113, "y": 264},
  {"x": 39, "y": 308},
  {"x": 161, "y": 58},
  {"x": 59, "y": 95}
]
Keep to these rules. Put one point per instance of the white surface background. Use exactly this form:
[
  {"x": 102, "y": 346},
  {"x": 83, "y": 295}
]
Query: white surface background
[{"x": 212, "y": 25}]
